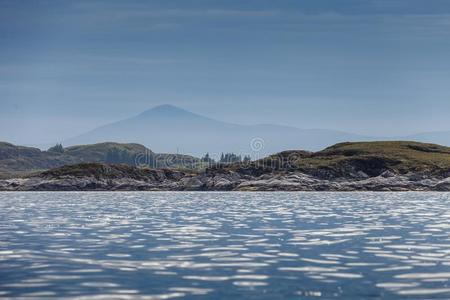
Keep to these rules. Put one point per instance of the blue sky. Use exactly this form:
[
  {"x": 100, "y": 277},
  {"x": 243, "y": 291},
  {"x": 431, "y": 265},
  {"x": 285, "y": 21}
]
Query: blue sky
[{"x": 374, "y": 67}]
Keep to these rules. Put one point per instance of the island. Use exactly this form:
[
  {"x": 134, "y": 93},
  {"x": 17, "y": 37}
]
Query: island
[{"x": 359, "y": 166}]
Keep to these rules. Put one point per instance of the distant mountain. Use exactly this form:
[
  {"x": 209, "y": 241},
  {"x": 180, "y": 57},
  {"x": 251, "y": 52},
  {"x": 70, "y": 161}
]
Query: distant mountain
[
  {"x": 16, "y": 160},
  {"x": 167, "y": 128}
]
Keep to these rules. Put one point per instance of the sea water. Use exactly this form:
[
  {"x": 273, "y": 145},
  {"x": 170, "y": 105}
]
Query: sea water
[{"x": 230, "y": 245}]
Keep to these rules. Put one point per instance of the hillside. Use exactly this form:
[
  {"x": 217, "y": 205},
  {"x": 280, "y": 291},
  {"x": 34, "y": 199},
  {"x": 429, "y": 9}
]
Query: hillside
[
  {"x": 358, "y": 160},
  {"x": 362, "y": 166},
  {"x": 115, "y": 171},
  {"x": 18, "y": 160}
]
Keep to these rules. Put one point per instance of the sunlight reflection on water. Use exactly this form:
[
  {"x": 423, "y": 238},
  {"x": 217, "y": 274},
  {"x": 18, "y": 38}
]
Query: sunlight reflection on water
[{"x": 161, "y": 245}]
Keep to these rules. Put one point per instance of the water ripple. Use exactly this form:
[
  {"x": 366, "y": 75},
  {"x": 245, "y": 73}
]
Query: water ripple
[{"x": 161, "y": 245}]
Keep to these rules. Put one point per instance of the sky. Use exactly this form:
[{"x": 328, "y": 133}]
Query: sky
[{"x": 372, "y": 67}]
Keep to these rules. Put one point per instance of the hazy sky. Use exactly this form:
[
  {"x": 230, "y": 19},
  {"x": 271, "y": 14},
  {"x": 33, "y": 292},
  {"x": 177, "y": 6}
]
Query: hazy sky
[{"x": 378, "y": 67}]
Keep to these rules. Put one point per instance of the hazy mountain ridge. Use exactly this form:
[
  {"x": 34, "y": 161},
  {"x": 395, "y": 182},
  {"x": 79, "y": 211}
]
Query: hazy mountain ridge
[{"x": 168, "y": 128}]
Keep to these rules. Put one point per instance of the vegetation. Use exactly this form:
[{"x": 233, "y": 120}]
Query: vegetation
[
  {"x": 369, "y": 158},
  {"x": 16, "y": 160},
  {"x": 207, "y": 159},
  {"x": 229, "y": 158},
  {"x": 344, "y": 160},
  {"x": 117, "y": 156},
  {"x": 105, "y": 171},
  {"x": 58, "y": 148},
  {"x": 400, "y": 157}
]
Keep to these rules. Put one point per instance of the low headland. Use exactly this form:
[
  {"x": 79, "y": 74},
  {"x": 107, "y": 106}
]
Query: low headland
[{"x": 360, "y": 166}]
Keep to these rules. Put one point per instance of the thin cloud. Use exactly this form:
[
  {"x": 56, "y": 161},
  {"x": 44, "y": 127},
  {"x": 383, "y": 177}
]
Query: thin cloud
[{"x": 132, "y": 60}]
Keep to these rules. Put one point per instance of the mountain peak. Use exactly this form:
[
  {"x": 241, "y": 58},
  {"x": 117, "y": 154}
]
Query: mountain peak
[
  {"x": 165, "y": 110},
  {"x": 167, "y": 107},
  {"x": 168, "y": 127},
  {"x": 171, "y": 112}
]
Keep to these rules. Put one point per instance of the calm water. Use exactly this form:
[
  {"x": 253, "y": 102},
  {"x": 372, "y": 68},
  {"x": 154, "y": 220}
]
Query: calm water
[{"x": 145, "y": 245}]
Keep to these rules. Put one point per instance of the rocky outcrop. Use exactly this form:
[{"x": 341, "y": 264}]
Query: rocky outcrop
[
  {"x": 303, "y": 182},
  {"x": 374, "y": 166},
  {"x": 100, "y": 177}
]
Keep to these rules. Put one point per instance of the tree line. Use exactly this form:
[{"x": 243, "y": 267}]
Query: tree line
[
  {"x": 122, "y": 156},
  {"x": 227, "y": 158}
]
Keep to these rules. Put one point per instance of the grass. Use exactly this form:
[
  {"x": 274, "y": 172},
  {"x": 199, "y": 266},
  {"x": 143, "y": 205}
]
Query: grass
[
  {"x": 398, "y": 156},
  {"x": 340, "y": 160},
  {"x": 372, "y": 158},
  {"x": 409, "y": 154},
  {"x": 18, "y": 160}
]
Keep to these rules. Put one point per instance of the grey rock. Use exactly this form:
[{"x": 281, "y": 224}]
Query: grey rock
[
  {"x": 192, "y": 183},
  {"x": 387, "y": 174},
  {"x": 362, "y": 175},
  {"x": 229, "y": 180}
]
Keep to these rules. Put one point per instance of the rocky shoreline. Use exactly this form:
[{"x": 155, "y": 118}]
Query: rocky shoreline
[
  {"x": 225, "y": 180},
  {"x": 365, "y": 166}
]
